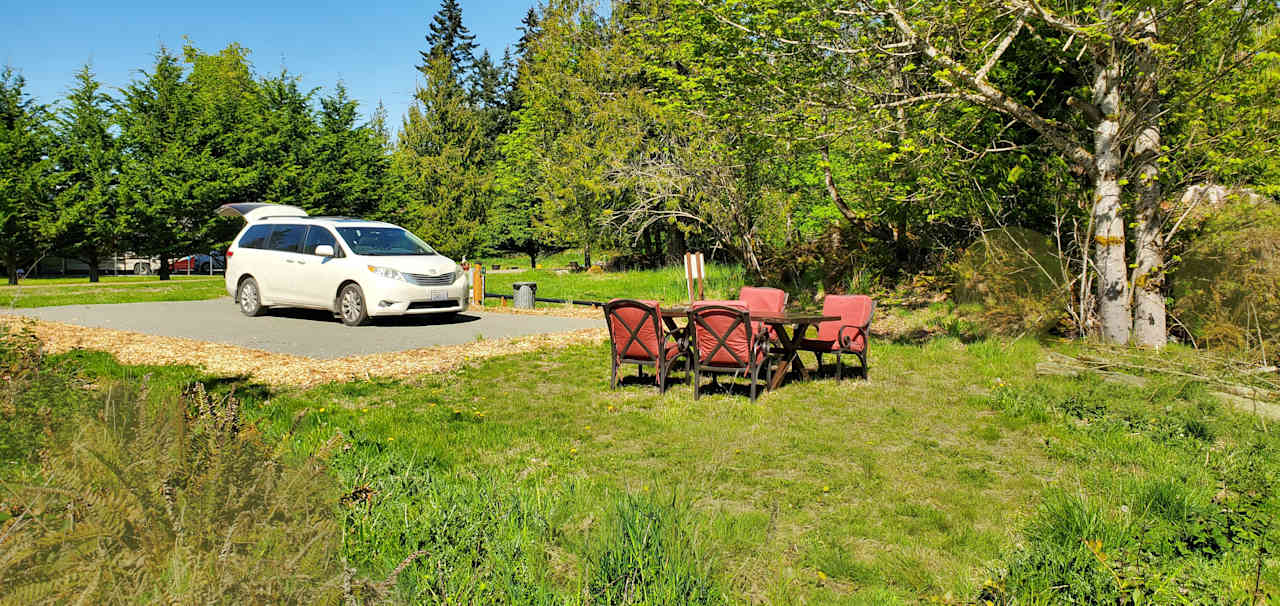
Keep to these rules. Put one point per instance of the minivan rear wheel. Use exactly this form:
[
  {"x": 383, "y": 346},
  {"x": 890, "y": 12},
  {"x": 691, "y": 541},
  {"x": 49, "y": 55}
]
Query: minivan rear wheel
[
  {"x": 351, "y": 306},
  {"x": 248, "y": 298}
]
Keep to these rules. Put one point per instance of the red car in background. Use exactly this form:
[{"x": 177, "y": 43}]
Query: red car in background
[{"x": 200, "y": 264}]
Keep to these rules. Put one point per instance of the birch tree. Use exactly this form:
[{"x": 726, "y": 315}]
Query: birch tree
[{"x": 1116, "y": 62}]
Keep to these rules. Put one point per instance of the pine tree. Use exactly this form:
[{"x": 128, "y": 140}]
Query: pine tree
[
  {"x": 437, "y": 161},
  {"x": 347, "y": 169},
  {"x": 530, "y": 27},
  {"x": 164, "y": 171},
  {"x": 86, "y": 163},
  {"x": 448, "y": 36},
  {"x": 24, "y": 141}
]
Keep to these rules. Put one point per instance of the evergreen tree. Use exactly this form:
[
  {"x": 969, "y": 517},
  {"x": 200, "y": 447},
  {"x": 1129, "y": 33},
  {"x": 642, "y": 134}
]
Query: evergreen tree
[
  {"x": 530, "y": 26},
  {"x": 164, "y": 168},
  {"x": 347, "y": 174},
  {"x": 449, "y": 37},
  {"x": 437, "y": 162},
  {"x": 86, "y": 163},
  {"x": 283, "y": 131},
  {"x": 24, "y": 181}
]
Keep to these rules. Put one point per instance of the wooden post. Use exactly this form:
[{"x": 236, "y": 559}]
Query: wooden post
[
  {"x": 477, "y": 284},
  {"x": 694, "y": 270}
]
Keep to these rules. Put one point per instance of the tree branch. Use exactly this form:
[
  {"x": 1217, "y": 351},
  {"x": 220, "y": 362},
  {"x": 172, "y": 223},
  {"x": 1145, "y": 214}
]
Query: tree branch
[
  {"x": 1004, "y": 44},
  {"x": 993, "y": 98}
]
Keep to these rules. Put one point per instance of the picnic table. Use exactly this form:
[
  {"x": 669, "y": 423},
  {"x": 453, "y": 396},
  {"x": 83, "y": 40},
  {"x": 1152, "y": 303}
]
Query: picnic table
[{"x": 789, "y": 341}]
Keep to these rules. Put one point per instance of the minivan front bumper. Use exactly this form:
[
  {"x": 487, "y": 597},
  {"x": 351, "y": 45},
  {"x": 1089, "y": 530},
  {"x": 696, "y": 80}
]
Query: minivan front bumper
[{"x": 386, "y": 297}]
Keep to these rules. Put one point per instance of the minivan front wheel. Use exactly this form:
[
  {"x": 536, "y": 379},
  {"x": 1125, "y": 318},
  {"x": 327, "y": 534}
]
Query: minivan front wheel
[
  {"x": 248, "y": 298},
  {"x": 351, "y": 306}
]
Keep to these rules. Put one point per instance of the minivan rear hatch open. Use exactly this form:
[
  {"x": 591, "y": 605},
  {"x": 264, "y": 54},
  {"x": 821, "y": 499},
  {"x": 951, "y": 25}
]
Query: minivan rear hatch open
[{"x": 257, "y": 212}]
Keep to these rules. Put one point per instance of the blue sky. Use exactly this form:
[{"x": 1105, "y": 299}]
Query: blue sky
[{"x": 371, "y": 46}]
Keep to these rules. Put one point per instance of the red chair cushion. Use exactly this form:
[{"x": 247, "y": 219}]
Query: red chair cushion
[
  {"x": 624, "y": 319},
  {"x": 760, "y": 299},
  {"x": 854, "y": 310},
  {"x": 716, "y": 323}
]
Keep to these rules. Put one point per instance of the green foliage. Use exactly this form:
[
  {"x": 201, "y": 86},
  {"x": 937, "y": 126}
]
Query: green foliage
[
  {"x": 86, "y": 170},
  {"x": 24, "y": 179},
  {"x": 1226, "y": 290},
  {"x": 175, "y": 500},
  {"x": 1185, "y": 514},
  {"x": 38, "y": 399},
  {"x": 439, "y": 164},
  {"x": 648, "y": 557},
  {"x": 1017, "y": 278}
]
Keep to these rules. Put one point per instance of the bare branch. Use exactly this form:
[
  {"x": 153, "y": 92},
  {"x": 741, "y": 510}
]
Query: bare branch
[
  {"x": 992, "y": 97},
  {"x": 1004, "y": 44}
]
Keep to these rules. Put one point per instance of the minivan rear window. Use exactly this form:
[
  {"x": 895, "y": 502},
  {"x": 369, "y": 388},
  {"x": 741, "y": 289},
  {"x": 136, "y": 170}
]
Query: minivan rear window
[
  {"x": 256, "y": 237},
  {"x": 286, "y": 238}
]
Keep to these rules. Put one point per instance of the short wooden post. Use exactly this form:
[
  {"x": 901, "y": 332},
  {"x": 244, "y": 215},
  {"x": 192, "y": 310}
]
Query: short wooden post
[{"x": 477, "y": 284}]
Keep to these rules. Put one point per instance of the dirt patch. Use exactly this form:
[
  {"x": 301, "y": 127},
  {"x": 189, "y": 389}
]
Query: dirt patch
[{"x": 282, "y": 369}]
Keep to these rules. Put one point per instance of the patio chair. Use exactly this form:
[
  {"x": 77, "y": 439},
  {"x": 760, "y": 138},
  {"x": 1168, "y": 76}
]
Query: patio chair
[
  {"x": 760, "y": 299},
  {"x": 724, "y": 340},
  {"x": 639, "y": 337},
  {"x": 849, "y": 335}
]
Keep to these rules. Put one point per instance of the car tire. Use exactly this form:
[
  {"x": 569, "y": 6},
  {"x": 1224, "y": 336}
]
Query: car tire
[
  {"x": 204, "y": 268},
  {"x": 249, "y": 299},
  {"x": 351, "y": 306}
]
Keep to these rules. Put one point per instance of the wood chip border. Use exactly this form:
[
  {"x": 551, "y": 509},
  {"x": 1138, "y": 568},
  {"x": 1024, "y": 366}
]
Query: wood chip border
[{"x": 284, "y": 370}]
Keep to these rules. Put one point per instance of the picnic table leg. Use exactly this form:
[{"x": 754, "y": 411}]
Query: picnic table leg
[
  {"x": 790, "y": 354},
  {"x": 784, "y": 362}
]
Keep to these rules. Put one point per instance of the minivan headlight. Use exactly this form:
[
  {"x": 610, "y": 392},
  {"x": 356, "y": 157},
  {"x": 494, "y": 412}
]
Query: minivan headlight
[{"x": 386, "y": 272}]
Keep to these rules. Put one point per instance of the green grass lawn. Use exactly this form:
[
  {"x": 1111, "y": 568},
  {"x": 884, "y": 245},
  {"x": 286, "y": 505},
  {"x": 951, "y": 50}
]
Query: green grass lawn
[
  {"x": 954, "y": 474},
  {"x": 112, "y": 289},
  {"x": 666, "y": 285}
]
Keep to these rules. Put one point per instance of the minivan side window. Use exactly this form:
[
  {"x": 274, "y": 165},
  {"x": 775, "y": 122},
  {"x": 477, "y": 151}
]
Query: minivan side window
[
  {"x": 319, "y": 236},
  {"x": 286, "y": 238},
  {"x": 256, "y": 237}
]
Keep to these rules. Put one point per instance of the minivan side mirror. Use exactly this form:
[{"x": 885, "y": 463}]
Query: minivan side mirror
[{"x": 324, "y": 250}]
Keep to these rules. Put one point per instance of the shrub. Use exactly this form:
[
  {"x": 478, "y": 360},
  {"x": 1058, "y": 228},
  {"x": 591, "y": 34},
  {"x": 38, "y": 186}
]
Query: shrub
[
  {"x": 174, "y": 502},
  {"x": 37, "y": 399},
  {"x": 1018, "y": 279},
  {"x": 1226, "y": 289}
]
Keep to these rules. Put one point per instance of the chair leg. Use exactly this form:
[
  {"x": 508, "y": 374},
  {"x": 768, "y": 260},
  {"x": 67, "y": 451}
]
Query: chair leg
[
  {"x": 866, "y": 374},
  {"x": 662, "y": 379},
  {"x": 818, "y": 355},
  {"x": 755, "y": 381},
  {"x": 697, "y": 381},
  {"x": 613, "y": 374},
  {"x": 839, "y": 367},
  {"x": 640, "y": 370}
]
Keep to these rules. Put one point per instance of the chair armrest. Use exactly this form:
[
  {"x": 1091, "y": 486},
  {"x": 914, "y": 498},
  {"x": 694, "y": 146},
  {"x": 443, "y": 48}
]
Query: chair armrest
[{"x": 846, "y": 340}]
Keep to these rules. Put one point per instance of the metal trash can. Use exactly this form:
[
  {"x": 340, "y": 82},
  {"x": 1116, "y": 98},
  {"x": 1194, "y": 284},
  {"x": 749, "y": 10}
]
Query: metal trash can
[{"x": 524, "y": 294}]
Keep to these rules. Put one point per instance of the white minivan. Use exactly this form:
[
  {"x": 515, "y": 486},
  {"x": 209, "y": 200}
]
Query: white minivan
[{"x": 355, "y": 268}]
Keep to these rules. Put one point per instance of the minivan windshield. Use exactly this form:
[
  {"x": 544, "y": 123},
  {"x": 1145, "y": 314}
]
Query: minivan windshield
[{"x": 384, "y": 242}]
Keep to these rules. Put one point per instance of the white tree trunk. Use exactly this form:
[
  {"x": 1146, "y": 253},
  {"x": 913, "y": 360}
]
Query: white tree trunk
[
  {"x": 1149, "y": 322},
  {"x": 1108, "y": 222}
]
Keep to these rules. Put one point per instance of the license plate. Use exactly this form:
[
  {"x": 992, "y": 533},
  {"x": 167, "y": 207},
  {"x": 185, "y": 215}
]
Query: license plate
[{"x": 438, "y": 295}]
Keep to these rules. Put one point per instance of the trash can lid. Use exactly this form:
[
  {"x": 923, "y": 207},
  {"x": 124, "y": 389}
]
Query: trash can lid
[{"x": 533, "y": 285}]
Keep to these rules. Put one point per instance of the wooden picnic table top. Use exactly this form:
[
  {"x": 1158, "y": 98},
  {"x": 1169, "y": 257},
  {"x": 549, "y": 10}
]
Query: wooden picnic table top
[{"x": 771, "y": 317}]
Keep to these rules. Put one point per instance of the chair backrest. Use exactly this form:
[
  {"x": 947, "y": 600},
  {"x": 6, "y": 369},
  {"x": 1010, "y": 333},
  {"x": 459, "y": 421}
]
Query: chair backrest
[
  {"x": 759, "y": 299},
  {"x": 722, "y": 333},
  {"x": 854, "y": 310},
  {"x": 635, "y": 328}
]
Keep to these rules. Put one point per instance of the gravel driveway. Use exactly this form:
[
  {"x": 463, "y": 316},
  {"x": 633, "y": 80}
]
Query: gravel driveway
[{"x": 313, "y": 334}]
